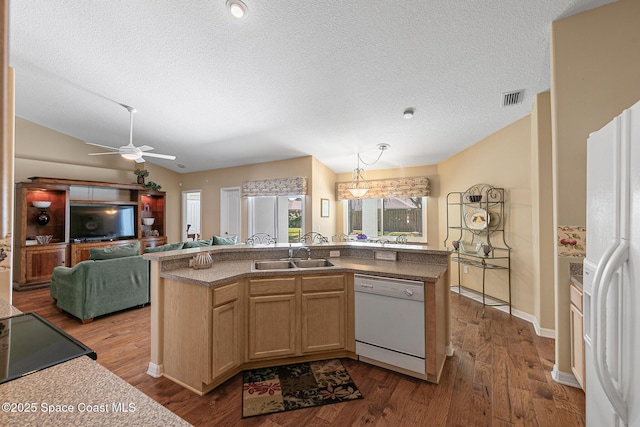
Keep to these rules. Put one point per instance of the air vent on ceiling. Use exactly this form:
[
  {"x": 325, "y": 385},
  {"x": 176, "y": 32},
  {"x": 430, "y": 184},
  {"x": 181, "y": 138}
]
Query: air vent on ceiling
[{"x": 512, "y": 98}]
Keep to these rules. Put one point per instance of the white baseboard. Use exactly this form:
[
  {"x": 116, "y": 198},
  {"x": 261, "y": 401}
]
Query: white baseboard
[
  {"x": 564, "y": 377},
  {"x": 543, "y": 332},
  {"x": 154, "y": 370},
  {"x": 449, "y": 351}
]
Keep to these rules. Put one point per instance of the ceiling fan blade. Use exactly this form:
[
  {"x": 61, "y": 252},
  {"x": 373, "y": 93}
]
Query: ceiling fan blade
[
  {"x": 145, "y": 148},
  {"x": 102, "y": 154},
  {"x": 160, "y": 156},
  {"x": 102, "y": 146}
]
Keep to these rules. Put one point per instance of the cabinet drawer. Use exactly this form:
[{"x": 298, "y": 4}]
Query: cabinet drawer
[
  {"x": 225, "y": 294},
  {"x": 323, "y": 283},
  {"x": 576, "y": 297},
  {"x": 272, "y": 286}
]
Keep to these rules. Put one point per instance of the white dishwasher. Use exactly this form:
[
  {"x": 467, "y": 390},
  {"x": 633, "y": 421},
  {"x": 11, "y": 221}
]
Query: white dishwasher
[{"x": 389, "y": 321}]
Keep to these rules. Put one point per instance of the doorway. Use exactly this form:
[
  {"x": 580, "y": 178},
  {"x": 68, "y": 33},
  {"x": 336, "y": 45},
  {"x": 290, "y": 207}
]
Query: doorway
[{"x": 191, "y": 215}]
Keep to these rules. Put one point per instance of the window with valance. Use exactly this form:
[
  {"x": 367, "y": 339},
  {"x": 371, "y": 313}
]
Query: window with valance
[
  {"x": 384, "y": 188},
  {"x": 296, "y": 186}
]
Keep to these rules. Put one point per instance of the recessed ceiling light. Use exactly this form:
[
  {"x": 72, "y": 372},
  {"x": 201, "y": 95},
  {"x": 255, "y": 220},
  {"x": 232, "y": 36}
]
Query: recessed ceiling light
[
  {"x": 237, "y": 8},
  {"x": 408, "y": 113}
]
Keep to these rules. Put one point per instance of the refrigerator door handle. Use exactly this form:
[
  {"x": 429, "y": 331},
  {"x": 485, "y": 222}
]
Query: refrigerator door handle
[{"x": 599, "y": 338}]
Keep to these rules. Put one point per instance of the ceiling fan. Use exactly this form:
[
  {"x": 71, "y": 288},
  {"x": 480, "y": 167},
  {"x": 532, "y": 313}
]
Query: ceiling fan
[{"x": 130, "y": 151}]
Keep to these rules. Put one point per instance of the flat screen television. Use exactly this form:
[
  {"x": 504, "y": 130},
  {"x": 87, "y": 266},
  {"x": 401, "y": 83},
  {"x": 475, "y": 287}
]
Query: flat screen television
[{"x": 101, "y": 222}]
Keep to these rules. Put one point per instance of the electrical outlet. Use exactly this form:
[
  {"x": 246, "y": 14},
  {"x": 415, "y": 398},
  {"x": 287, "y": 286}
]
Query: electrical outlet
[
  {"x": 465, "y": 269},
  {"x": 334, "y": 254},
  {"x": 385, "y": 255}
]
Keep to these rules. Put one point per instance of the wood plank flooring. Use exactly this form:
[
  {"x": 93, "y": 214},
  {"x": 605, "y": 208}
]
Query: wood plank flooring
[{"x": 499, "y": 376}]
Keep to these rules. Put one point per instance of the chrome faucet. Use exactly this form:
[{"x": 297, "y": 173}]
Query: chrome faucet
[{"x": 293, "y": 253}]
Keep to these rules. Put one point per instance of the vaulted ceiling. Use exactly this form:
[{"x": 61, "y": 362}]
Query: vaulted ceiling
[{"x": 326, "y": 78}]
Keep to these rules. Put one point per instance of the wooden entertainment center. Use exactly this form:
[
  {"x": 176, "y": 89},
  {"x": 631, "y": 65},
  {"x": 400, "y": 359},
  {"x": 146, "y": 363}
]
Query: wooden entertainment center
[{"x": 35, "y": 262}]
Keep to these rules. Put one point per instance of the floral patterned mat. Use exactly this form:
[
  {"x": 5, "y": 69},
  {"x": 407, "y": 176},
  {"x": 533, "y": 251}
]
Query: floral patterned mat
[{"x": 283, "y": 388}]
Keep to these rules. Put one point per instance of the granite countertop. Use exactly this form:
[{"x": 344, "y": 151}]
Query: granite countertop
[
  {"x": 575, "y": 271},
  {"x": 223, "y": 271},
  {"x": 78, "y": 392}
]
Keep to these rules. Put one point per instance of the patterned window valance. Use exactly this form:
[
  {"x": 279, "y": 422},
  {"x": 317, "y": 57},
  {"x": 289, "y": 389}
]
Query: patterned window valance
[
  {"x": 396, "y": 187},
  {"x": 275, "y": 187}
]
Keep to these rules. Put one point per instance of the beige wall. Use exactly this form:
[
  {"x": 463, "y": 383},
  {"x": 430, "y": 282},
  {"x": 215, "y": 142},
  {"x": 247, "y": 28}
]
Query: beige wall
[
  {"x": 430, "y": 171},
  {"x": 210, "y": 182},
  {"x": 543, "y": 234},
  {"x": 595, "y": 64},
  {"x": 40, "y": 151},
  {"x": 323, "y": 187},
  {"x": 501, "y": 160}
]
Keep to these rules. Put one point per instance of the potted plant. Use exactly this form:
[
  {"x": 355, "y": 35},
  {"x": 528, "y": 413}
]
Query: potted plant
[
  {"x": 153, "y": 186},
  {"x": 141, "y": 174}
]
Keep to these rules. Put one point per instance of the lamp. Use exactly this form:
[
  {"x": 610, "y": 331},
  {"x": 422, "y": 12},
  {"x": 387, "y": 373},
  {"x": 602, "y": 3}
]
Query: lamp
[{"x": 358, "y": 187}]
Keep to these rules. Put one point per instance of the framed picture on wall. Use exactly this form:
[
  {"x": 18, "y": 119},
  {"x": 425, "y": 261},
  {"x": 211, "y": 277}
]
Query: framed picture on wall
[{"x": 324, "y": 207}]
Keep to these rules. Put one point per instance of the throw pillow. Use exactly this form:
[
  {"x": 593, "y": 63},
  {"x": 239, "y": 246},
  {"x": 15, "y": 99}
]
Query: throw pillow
[
  {"x": 218, "y": 240},
  {"x": 163, "y": 248},
  {"x": 198, "y": 244},
  {"x": 131, "y": 249}
]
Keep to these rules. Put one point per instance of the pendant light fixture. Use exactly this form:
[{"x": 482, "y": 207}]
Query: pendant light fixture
[{"x": 358, "y": 186}]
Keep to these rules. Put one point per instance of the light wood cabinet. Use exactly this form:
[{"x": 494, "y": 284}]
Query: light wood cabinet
[
  {"x": 297, "y": 315},
  {"x": 323, "y": 313},
  {"x": 577, "y": 334},
  {"x": 201, "y": 333},
  {"x": 272, "y": 317},
  {"x": 225, "y": 330}
]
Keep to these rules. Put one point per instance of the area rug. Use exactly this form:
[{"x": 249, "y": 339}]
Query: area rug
[{"x": 302, "y": 385}]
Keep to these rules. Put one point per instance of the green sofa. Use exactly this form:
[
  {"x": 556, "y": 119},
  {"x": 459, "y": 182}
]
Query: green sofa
[{"x": 112, "y": 280}]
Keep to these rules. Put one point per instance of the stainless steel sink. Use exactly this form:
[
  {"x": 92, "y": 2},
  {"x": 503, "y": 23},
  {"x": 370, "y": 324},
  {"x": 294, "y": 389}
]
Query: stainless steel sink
[
  {"x": 313, "y": 263},
  {"x": 273, "y": 265},
  {"x": 285, "y": 264}
]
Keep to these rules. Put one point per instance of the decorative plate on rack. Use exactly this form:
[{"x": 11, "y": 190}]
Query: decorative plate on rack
[{"x": 476, "y": 219}]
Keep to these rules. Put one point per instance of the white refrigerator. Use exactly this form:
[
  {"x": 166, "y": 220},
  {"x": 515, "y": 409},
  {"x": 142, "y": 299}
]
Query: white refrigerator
[{"x": 611, "y": 274}]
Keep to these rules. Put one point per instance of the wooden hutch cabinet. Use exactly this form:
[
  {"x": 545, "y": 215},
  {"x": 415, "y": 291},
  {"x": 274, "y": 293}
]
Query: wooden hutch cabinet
[{"x": 34, "y": 262}]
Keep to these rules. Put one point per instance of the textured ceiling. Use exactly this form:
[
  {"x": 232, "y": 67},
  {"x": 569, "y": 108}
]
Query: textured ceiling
[{"x": 326, "y": 78}]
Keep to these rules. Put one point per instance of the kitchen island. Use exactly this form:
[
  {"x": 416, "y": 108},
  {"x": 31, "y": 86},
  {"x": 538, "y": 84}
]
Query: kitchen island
[
  {"x": 77, "y": 392},
  {"x": 209, "y": 324}
]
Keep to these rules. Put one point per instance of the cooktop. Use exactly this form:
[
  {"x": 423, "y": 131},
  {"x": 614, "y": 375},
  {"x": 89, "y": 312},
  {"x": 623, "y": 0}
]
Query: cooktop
[{"x": 30, "y": 343}]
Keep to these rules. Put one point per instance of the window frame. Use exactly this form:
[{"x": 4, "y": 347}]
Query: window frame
[{"x": 410, "y": 238}]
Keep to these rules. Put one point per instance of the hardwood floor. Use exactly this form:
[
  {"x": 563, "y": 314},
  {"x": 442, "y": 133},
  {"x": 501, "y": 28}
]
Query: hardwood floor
[{"x": 499, "y": 376}]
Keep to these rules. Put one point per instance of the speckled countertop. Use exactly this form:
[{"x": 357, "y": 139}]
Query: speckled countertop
[
  {"x": 79, "y": 392},
  {"x": 223, "y": 271},
  {"x": 575, "y": 270}
]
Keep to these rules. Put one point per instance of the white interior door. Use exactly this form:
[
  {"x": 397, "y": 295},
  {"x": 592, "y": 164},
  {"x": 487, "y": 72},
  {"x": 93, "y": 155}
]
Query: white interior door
[{"x": 230, "y": 211}]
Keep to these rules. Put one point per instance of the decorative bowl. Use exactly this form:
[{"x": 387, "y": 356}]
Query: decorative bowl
[
  {"x": 41, "y": 205},
  {"x": 44, "y": 239},
  {"x": 471, "y": 248},
  {"x": 148, "y": 221},
  {"x": 474, "y": 198}
]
